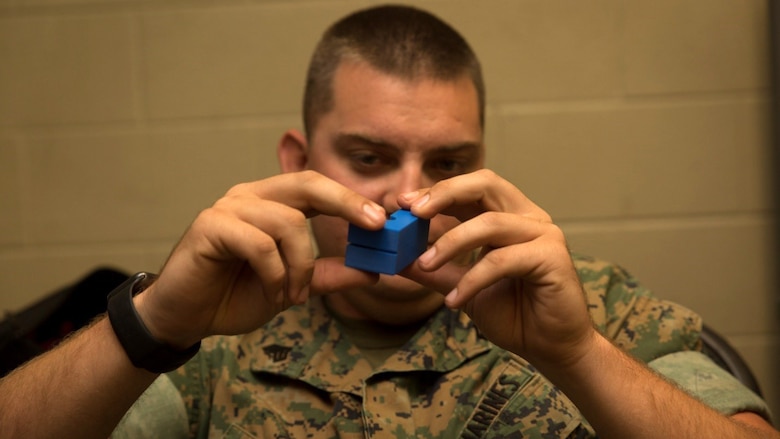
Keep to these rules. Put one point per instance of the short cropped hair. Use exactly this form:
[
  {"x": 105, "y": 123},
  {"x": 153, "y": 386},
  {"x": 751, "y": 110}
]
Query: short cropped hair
[{"x": 397, "y": 40}]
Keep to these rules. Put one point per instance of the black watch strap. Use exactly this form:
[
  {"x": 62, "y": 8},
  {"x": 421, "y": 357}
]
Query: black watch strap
[{"x": 141, "y": 347}]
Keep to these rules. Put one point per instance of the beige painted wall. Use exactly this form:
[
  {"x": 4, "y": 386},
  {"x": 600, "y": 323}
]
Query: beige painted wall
[{"x": 641, "y": 125}]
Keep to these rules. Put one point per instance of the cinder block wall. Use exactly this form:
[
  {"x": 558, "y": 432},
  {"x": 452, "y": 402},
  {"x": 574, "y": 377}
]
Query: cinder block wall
[{"x": 641, "y": 126}]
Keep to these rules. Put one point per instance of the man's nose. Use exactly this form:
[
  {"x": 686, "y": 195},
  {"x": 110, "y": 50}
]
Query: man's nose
[{"x": 407, "y": 180}]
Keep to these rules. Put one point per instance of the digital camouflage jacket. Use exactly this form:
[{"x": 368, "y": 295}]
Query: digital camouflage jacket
[{"x": 298, "y": 377}]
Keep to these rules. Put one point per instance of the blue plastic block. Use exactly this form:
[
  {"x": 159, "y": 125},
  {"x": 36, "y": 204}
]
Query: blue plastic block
[
  {"x": 373, "y": 260},
  {"x": 391, "y": 249},
  {"x": 400, "y": 227}
]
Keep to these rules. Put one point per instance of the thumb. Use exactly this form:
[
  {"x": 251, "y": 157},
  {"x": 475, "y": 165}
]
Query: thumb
[
  {"x": 331, "y": 275},
  {"x": 443, "y": 280}
]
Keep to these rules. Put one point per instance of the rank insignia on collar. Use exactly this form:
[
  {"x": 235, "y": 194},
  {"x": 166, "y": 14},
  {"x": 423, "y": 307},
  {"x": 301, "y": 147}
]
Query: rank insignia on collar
[{"x": 276, "y": 352}]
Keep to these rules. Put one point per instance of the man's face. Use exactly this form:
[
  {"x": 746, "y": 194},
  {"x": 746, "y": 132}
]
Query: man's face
[{"x": 386, "y": 136}]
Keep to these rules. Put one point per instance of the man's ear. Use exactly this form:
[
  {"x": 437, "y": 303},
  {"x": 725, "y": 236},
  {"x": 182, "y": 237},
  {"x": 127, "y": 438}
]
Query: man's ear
[{"x": 292, "y": 151}]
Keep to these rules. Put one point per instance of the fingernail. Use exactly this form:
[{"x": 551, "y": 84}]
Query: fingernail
[
  {"x": 422, "y": 200},
  {"x": 410, "y": 195},
  {"x": 451, "y": 297},
  {"x": 426, "y": 257},
  {"x": 374, "y": 212}
]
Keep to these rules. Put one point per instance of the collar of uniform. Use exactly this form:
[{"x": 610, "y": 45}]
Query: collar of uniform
[{"x": 304, "y": 343}]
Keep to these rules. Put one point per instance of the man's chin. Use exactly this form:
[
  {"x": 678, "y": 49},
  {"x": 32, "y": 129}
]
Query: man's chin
[
  {"x": 394, "y": 300},
  {"x": 399, "y": 289}
]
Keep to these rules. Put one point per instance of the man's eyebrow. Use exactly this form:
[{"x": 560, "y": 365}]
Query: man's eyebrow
[
  {"x": 355, "y": 138},
  {"x": 345, "y": 139},
  {"x": 467, "y": 147}
]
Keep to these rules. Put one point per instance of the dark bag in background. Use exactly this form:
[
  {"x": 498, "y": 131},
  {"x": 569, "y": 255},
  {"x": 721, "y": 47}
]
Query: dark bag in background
[{"x": 42, "y": 325}]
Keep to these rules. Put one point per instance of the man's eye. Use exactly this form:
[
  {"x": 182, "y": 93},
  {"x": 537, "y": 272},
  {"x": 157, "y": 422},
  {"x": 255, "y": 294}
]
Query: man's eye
[
  {"x": 444, "y": 168},
  {"x": 448, "y": 165},
  {"x": 369, "y": 162},
  {"x": 366, "y": 159}
]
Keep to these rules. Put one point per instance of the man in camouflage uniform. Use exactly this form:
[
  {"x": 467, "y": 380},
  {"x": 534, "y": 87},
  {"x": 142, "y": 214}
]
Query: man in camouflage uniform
[
  {"x": 301, "y": 377},
  {"x": 495, "y": 331}
]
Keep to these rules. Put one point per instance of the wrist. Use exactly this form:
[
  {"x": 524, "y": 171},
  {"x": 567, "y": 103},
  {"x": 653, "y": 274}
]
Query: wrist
[
  {"x": 602, "y": 369},
  {"x": 576, "y": 362},
  {"x": 161, "y": 328},
  {"x": 141, "y": 346}
]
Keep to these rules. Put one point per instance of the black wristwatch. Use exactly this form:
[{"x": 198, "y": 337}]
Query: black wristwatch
[{"x": 141, "y": 347}]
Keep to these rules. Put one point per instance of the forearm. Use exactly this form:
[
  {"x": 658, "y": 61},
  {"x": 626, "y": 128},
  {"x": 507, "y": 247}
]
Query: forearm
[
  {"x": 621, "y": 398},
  {"x": 80, "y": 389}
]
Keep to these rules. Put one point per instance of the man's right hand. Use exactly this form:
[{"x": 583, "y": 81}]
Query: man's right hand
[{"x": 250, "y": 256}]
